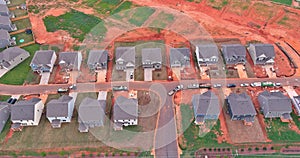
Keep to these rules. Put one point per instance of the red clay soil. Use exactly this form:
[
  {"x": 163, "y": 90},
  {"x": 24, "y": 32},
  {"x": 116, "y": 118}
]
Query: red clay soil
[
  {"x": 225, "y": 135},
  {"x": 9, "y": 135}
]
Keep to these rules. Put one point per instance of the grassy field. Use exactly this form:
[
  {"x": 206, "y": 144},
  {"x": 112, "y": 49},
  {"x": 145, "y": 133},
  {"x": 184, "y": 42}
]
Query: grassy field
[
  {"x": 124, "y": 6},
  {"x": 20, "y": 12},
  {"x": 16, "y": 3},
  {"x": 280, "y": 132},
  {"x": 76, "y": 23},
  {"x": 162, "y": 20},
  {"x": 26, "y": 37},
  {"x": 4, "y": 97},
  {"x": 141, "y": 15},
  {"x": 217, "y": 4},
  {"x": 287, "y": 2},
  {"x": 18, "y": 75},
  {"x": 22, "y": 24}
]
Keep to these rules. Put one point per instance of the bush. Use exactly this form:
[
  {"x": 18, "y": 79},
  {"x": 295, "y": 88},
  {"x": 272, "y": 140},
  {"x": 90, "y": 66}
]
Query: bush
[
  {"x": 272, "y": 148},
  {"x": 257, "y": 148},
  {"x": 215, "y": 149},
  {"x": 209, "y": 149},
  {"x": 228, "y": 149},
  {"x": 249, "y": 149},
  {"x": 264, "y": 148},
  {"x": 204, "y": 149},
  {"x": 219, "y": 149},
  {"x": 43, "y": 154},
  {"x": 223, "y": 149},
  {"x": 242, "y": 150}
]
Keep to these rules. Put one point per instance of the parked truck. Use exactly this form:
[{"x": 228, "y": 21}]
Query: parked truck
[{"x": 267, "y": 84}]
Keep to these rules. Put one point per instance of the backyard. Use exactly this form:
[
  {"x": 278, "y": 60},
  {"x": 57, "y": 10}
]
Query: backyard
[
  {"x": 19, "y": 74},
  {"x": 22, "y": 23},
  {"x": 22, "y": 38}
]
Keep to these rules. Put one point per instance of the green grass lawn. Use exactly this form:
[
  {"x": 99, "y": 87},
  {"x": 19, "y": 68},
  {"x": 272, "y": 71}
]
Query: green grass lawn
[
  {"x": 20, "y": 12},
  {"x": 106, "y": 6},
  {"x": 19, "y": 74},
  {"x": 141, "y": 15},
  {"x": 22, "y": 24},
  {"x": 280, "y": 132},
  {"x": 162, "y": 20},
  {"x": 26, "y": 37},
  {"x": 76, "y": 23},
  {"x": 287, "y": 2},
  {"x": 4, "y": 97},
  {"x": 16, "y": 3},
  {"x": 124, "y": 6}
]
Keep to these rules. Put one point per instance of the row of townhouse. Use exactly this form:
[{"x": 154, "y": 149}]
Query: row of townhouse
[
  {"x": 240, "y": 107},
  {"x": 6, "y": 25},
  {"x": 91, "y": 112}
]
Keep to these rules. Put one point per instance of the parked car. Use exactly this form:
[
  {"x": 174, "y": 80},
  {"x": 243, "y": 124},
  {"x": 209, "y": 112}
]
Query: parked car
[
  {"x": 218, "y": 85},
  {"x": 120, "y": 88},
  {"x": 171, "y": 92},
  {"x": 205, "y": 85},
  {"x": 244, "y": 85},
  {"x": 231, "y": 85},
  {"x": 62, "y": 90},
  {"x": 278, "y": 84},
  {"x": 73, "y": 87},
  {"x": 178, "y": 88},
  {"x": 193, "y": 86},
  {"x": 255, "y": 84},
  {"x": 131, "y": 75}
]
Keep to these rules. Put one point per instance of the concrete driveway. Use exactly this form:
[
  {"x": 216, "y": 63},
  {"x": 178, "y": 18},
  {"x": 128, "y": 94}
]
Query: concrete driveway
[
  {"x": 101, "y": 75},
  {"x": 241, "y": 71},
  {"x": 45, "y": 78},
  {"x": 129, "y": 75},
  {"x": 203, "y": 73},
  {"x": 3, "y": 72},
  {"x": 148, "y": 74},
  {"x": 269, "y": 69},
  {"x": 176, "y": 71}
]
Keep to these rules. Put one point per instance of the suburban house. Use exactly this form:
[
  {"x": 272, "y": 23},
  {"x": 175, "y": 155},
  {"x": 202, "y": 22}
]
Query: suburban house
[
  {"x": 234, "y": 54},
  {"x": 240, "y": 107},
  {"x": 11, "y": 57},
  {"x": 151, "y": 58},
  {"x": 26, "y": 113},
  {"x": 206, "y": 107},
  {"x": 5, "y": 39},
  {"x": 125, "y": 58},
  {"x": 70, "y": 61},
  {"x": 125, "y": 112},
  {"x": 180, "y": 57},
  {"x": 296, "y": 102},
  {"x": 207, "y": 54},
  {"x": 60, "y": 110},
  {"x": 91, "y": 113},
  {"x": 6, "y": 24},
  {"x": 4, "y": 2},
  {"x": 4, "y": 114},
  {"x": 4, "y": 11},
  {"x": 275, "y": 105},
  {"x": 97, "y": 60},
  {"x": 43, "y": 61},
  {"x": 262, "y": 54}
]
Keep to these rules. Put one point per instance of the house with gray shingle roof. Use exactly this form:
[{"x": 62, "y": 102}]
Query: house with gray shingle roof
[
  {"x": 26, "y": 113},
  {"x": 275, "y": 105},
  {"x": 11, "y": 57},
  {"x": 5, "y": 39},
  {"x": 296, "y": 103},
  {"x": 70, "y": 61},
  {"x": 60, "y": 110},
  {"x": 91, "y": 113},
  {"x": 234, "y": 54},
  {"x": 43, "y": 61},
  {"x": 125, "y": 58},
  {"x": 125, "y": 112},
  {"x": 180, "y": 57},
  {"x": 151, "y": 58},
  {"x": 97, "y": 60},
  {"x": 4, "y": 11},
  {"x": 262, "y": 54},
  {"x": 240, "y": 107},
  {"x": 206, "y": 107},
  {"x": 4, "y": 114},
  {"x": 207, "y": 54},
  {"x": 6, "y": 24},
  {"x": 4, "y": 2}
]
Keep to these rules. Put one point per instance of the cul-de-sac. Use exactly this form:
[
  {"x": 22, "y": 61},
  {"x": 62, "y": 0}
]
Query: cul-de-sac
[{"x": 149, "y": 78}]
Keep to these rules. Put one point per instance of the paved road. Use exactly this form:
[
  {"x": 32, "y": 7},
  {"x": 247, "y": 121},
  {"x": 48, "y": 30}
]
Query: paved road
[{"x": 165, "y": 140}]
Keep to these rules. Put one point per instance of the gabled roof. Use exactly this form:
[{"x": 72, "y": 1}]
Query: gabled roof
[
  {"x": 264, "y": 49},
  {"x": 126, "y": 53},
  {"x": 5, "y": 20},
  {"x": 59, "y": 107},
  {"x": 97, "y": 56},
  {"x": 180, "y": 54},
  {"x": 208, "y": 50},
  {"x": 241, "y": 104},
  {"x": 151, "y": 54},
  {"x": 206, "y": 103},
  {"x": 4, "y": 105},
  {"x": 231, "y": 50},
  {"x": 91, "y": 110},
  {"x": 42, "y": 57},
  {"x": 4, "y": 34},
  {"x": 24, "y": 110},
  {"x": 69, "y": 57},
  {"x": 125, "y": 108},
  {"x": 275, "y": 101},
  {"x": 3, "y": 8},
  {"x": 11, "y": 53}
]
